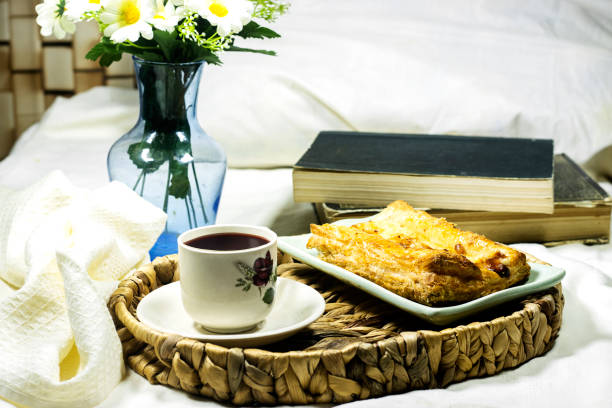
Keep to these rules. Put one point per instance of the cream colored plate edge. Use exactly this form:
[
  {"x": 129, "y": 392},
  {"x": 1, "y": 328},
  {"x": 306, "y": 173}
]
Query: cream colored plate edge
[
  {"x": 296, "y": 307},
  {"x": 540, "y": 278}
]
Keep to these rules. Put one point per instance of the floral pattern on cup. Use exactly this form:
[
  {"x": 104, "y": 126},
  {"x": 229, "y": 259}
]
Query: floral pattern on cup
[{"x": 258, "y": 275}]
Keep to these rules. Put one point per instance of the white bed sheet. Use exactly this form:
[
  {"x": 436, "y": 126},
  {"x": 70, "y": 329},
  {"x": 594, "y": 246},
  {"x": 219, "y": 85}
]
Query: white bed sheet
[
  {"x": 576, "y": 372},
  {"x": 250, "y": 196}
]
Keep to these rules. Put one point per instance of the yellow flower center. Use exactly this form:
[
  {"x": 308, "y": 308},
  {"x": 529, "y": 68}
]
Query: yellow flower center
[
  {"x": 130, "y": 13},
  {"x": 218, "y": 9},
  {"x": 94, "y": 1},
  {"x": 159, "y": 12}
]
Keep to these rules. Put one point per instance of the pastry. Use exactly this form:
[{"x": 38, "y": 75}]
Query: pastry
[{"x": 420, "y": 257}]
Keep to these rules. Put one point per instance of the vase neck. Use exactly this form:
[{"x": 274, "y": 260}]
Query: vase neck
[{"x": 168, "y": 94}]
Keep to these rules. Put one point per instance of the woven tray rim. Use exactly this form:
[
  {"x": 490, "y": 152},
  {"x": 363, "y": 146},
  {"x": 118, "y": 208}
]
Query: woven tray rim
[{"x": 167, "y": 366}]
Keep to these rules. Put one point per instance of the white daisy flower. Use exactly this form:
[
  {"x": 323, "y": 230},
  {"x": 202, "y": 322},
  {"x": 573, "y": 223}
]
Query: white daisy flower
[
  {"x": 165, "y": 17},
  {"x": 77, "y": 8},
  {"x": 228, "y": 15},
  {"x": 127, "y": 20},
  {"x": 53, "y": 18}
]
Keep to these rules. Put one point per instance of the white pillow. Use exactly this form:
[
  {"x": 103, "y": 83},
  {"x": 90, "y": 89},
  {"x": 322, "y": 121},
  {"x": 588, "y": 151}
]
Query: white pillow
[
  {"x": 102, "y": 113},
  {"x": 504, "y": 68}
]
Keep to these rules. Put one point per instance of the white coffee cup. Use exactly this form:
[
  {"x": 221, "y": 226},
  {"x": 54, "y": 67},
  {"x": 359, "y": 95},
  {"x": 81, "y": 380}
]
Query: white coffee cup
[{"x": 228, "y": 291}]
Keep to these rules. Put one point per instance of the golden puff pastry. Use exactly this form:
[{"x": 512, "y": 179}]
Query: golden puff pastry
[
  {"x": 501, "y": 265},
  {"x": 420, "y": 257},
  {"x": 425, "y": 275}
]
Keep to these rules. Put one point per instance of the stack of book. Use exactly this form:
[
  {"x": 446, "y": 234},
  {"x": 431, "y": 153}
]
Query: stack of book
[{"x": 511, "y": 190}]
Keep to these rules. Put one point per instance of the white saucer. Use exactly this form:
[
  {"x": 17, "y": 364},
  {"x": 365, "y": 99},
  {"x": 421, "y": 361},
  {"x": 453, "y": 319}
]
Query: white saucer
[{"x": 297, "y": 305}]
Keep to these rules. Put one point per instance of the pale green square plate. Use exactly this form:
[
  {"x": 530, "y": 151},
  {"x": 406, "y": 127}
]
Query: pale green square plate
[{"x": 540, "y": 278}]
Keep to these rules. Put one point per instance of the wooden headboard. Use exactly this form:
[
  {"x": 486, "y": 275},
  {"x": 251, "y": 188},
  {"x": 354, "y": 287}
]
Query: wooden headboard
[{"x": 34, "y": 69}]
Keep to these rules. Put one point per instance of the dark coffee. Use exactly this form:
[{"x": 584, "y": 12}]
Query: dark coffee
[{"x": 227, "y": 241}]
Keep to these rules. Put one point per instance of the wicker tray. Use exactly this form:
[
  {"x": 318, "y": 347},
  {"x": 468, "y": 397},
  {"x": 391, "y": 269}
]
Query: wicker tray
[{"x": 360, "y": 348}]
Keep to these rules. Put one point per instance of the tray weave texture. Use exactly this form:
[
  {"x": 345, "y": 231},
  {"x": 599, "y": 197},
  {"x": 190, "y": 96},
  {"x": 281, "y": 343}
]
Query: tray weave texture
[{"x": 360, "y": 348}]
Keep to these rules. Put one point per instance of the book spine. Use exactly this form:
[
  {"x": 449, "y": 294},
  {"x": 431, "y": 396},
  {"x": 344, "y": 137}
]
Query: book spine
[{"x": 585, "y": 176}]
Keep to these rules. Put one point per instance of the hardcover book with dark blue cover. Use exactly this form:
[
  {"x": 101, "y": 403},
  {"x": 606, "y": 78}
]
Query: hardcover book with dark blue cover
[
  {"x": 438, "y": 171},
  {"x": 467, "y": 156}
]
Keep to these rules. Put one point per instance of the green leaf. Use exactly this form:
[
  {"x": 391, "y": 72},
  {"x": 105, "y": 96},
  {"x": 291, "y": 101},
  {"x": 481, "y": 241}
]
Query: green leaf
[
  {"x": 254, "y": 30},
  {"x": 268, "y": 296},
  {"x": 240, "y": 49},
  {"x": 107, "y": 51},
  {"x": 168, "y": 43},
  {"x": 191, "y": 51},
  {"x": 179, "y": 186},
  {"x": 108, "y": 58},
  {"x": 245, "y": 269},
  {"x": 179, "y": 181},
  {"x": 210, "y": 58},
  {"x": 203, "y": 26},
  {"x": 95, "y": 52},
  {"x": 145, "y": 157},
  {"x": 150, "y": 56}
]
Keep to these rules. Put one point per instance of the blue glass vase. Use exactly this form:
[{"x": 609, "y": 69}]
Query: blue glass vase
[{"x": 167, "y": 158}]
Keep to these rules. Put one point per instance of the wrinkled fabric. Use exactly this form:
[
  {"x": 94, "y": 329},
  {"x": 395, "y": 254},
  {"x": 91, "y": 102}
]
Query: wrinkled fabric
[{"x": 64, "y": 250}]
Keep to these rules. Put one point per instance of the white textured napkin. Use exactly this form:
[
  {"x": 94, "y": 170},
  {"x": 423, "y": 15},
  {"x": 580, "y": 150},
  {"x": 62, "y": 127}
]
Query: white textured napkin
[{"x": 64, "y": 249}]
